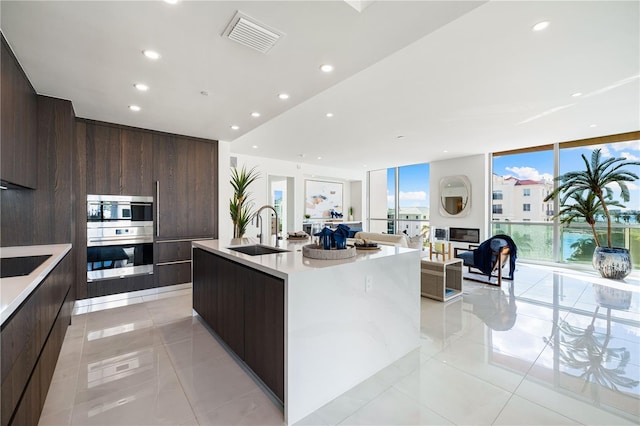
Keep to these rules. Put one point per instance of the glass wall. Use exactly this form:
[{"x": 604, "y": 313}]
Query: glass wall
[
  {"x": 399, "y": 200},
  {"x": 521, "y": 181},
  {"x": 379, "y": 198}
]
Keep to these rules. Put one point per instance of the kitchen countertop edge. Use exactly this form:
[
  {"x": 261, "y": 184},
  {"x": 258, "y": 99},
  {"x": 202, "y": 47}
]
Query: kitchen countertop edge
[{"x": 15, "y": 290}]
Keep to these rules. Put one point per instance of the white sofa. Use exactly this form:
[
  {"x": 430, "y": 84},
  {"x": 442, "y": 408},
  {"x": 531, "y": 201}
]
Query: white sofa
[{"x": 384, "y": 239}]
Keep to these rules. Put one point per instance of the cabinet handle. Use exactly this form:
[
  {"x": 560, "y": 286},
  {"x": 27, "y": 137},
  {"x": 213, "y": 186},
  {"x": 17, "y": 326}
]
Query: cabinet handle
[{"x": 157, "y": 208}]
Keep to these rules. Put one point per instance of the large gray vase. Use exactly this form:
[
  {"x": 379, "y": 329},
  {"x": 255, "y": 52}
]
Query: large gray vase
[{"x": 614, "y": 263}]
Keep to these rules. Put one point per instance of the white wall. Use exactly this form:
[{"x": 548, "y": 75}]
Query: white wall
[
  {"x": 477, "y": 169},
  {"x": 260, "y": 189}
]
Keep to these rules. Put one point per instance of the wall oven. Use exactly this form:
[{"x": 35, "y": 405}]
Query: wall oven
[{"x": 119, "y": 236}]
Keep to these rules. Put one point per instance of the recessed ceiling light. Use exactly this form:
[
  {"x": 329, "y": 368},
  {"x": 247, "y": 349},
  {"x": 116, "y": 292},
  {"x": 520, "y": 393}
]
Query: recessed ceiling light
[
  {"x": 141, "y": 87},
  {"x": 577, "y": 94},
  {"x": 445, "y": 151},
  {"x": 329, "y": 114},
  {"x": 151, "y": 54},
  {"x": 255, "y": 114},
  {"x": 234, "y": 127},
  {"x": 326, "y": 68},
  {"x": 134, "y": 108},
  {"x": 540, "y": 26},
  {"x": 319, "y": 158},
  {"x": 171, "y": 1},
  {"x": 254, "y": 146},
  {"x": 593, "y": 125},
  {"x": 283, "y": 96}
]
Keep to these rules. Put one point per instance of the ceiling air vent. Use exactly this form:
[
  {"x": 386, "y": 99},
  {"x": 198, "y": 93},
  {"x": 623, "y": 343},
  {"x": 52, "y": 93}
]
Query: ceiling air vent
[{"x": 247, "y": 31}]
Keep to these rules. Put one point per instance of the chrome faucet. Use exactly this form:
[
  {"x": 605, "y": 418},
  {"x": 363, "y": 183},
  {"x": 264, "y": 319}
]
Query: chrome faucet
[{"x": 257, "y": 217}]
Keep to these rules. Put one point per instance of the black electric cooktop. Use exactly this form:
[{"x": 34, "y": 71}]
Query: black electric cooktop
[{"x": 20, "y": 266}]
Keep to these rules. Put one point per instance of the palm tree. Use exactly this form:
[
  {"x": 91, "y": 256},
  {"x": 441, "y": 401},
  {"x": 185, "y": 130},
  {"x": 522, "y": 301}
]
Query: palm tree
[
  {"x": 598, "y": 174},
  {"x": 587, "y": 208},
  {"x": 240, "y": 207}
]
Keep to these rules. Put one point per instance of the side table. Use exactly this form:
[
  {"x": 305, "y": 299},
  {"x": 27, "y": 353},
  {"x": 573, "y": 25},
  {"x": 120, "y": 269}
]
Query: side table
[{"x": 441, "y": 279}]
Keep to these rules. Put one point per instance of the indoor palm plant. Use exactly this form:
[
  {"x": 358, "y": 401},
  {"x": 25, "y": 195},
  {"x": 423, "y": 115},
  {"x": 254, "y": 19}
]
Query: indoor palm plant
[
  {"x": 240, "y": 206},
  {"x": 589, "y": 193}
]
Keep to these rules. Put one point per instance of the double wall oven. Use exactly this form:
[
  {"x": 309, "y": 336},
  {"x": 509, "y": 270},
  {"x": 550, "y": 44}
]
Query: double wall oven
[{"x": 119, "y": 236}]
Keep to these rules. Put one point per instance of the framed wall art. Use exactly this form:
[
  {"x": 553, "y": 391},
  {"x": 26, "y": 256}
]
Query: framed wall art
[{"x": 323, "y": 200}]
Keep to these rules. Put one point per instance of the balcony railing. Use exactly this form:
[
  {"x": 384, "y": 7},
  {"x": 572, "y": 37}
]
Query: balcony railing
[{"x": 535, "y": 241}]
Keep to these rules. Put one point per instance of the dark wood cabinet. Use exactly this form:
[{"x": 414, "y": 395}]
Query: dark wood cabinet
[
  {"x": 264, "y": 328},
  {"x": 31, "y": 341},
  {"x": 119, "y": 160},
  {"x": 186, "y": 179},
  {"x": 173, "y": 262},
  {"x": 180, "y": 172},
  {"x": 136, "y": 162},
  {"x": 120, "y": 285},
  {"x": 202, "y": 287},
  {"x": 218, "y": 297},
  {"x": 103, "y": 159},
  {"x": 245, "y": 308},
  {"x": 19, "y": 116}
]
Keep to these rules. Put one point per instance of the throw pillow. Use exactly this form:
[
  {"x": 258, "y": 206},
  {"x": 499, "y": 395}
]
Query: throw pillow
[{"x": 415, "y": 242}]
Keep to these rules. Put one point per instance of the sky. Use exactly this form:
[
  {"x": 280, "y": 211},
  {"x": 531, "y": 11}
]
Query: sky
[
  {"x": 414, "y": 180},
  {"x": 414, "y": 186},
  {"x": 539, "y": 165}
]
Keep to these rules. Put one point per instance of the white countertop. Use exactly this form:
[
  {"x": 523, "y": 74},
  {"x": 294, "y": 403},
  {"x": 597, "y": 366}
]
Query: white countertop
[
  {"x": 285, "y": 264},
  {"x": 15, "y": 290}
]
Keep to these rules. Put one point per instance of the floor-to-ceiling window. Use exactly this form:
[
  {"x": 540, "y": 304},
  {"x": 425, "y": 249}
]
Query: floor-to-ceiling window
[
  {"x": 399, "y": 200},
  {"x": 521, "y": 181},
  {"x": 523, "y": 178}
]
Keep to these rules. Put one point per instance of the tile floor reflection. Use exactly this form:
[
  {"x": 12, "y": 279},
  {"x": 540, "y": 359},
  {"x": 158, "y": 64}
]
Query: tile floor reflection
[{"x": 555, "y": 347}]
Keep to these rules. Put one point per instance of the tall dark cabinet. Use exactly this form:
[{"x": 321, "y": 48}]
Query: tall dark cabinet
[
  {"x": 19, "y": 115},
  {"x": 186, "y": 187},
  {"x": 186, "y": 202},
  {"x": 180, "y": 172}
]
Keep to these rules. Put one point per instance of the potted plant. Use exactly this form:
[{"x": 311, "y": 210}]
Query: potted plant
[
  {"x": 240, "y": 207},
  {"x": 589, "y": 193}
]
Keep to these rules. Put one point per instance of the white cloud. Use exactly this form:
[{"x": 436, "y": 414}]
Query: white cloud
[
  {"x": 617, "y": 147},
  {"x": 529, "y": 173},
  {"x": 606, "y": 153},
  {"x": 620, "y": 146},
  {"x": 629, "y": 156}
]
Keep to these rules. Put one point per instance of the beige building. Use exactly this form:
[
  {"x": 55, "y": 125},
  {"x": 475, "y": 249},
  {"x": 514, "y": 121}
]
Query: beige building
[{"x": 520, "y": 200}]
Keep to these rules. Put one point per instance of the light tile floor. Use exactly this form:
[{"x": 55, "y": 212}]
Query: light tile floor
[{"x": 555, "y": 347}]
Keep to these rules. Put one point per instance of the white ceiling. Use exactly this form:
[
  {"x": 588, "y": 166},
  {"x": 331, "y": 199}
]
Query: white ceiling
[{"x": 465, "y": 77}]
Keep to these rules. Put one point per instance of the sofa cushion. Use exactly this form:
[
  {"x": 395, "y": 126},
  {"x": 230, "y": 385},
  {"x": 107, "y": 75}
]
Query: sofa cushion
[
  {"x": 384, "y": 239},
  {"x": 416, "y": 242}
]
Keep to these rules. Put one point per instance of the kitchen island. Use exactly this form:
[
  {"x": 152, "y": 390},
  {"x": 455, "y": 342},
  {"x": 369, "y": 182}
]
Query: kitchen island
[{"x": 309, "y": 329}]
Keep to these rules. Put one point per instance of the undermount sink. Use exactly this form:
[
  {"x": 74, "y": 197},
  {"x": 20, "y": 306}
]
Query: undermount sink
[{"x": 257, "y": 249}]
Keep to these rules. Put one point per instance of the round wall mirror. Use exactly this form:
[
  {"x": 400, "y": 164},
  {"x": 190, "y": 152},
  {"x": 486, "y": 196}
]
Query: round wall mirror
[{"x": 455, "y": 196}]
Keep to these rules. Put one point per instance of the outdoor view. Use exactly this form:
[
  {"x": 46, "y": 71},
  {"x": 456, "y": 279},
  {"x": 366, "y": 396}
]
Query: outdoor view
[
  {"x": 411, "y": 200},
  {"x": 399, "y": 203},
  {"x": 522, "y": 181}
]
